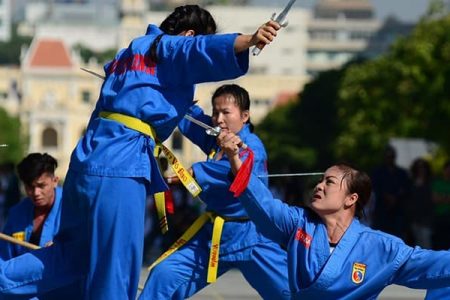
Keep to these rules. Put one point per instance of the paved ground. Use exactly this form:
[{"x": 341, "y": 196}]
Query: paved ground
[{"x": 232, "y": 286}]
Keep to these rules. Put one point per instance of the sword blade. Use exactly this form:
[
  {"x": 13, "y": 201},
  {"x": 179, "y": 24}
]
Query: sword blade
[
  {"x": 93, "y": 73},
  {"x": 199, "y": 123},
  {"x": 214, "y": 131},
  {"x": 292, "y": 174},
  {"x": 280, "y": 18}
]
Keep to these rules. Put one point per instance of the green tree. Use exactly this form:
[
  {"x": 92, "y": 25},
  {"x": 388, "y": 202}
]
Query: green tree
[
  {"x": 10, "y": 135},
  {"x": 10, "y": 50},
  {"x": 302, "y": 134},
  {"x": 278, "y": 133},
  {"x": 405, "y": 93},
  {"x": 101, "y": 56},
  {"x": 350, "y": 114}
]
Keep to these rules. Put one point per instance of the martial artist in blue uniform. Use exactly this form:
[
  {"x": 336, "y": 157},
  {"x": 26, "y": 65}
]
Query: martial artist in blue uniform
[
  {"x": 262, "y": 262},
  {"x": 331, "y": 254},
  {"x": 36, "y": 218},
  {"x": 20, "y": 225},
  {"x": 148, "y": 88}
]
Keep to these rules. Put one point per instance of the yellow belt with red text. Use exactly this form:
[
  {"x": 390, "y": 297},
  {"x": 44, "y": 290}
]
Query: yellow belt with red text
[
  {"x": 213, "y": 263},
  {"x": 186, "y": 179}
]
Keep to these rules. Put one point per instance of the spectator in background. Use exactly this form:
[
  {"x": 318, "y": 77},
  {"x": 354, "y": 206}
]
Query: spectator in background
[
  {"x": 441, "y": 199},
  {"x": 36, "y": 218},
  {"x": 391, "y": 187},
  {"x": 9, "y": 190},
  {"x": 419, "y": 209}
]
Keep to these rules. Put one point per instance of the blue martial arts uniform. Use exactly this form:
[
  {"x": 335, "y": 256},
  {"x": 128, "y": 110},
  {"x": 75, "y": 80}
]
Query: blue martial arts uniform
[
  {"x": 363, "y": 263},
  {"x": 112, "y": 168},
  {"x": 438, "y": 294},
  {"x": 262, "y": 262},
  {"x": 20, "y": 225}
]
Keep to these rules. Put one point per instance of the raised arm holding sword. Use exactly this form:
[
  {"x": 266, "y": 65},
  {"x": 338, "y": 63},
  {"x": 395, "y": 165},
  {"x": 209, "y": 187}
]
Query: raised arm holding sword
[{"x": 280, "y": 19}]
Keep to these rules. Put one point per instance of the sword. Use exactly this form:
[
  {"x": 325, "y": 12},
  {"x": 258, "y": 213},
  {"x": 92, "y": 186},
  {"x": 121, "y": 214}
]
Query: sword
[
  {"x": 213, "y": 131},
  {"x": 292, "y": 174},
  {"x": 93, "y": 73},
  {"x": 280, "y": 19}
]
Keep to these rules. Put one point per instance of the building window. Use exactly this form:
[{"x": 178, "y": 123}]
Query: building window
[
  {"x": 49, "y": 137},
  {"x": 86, "y": 96},
  {"x": 177, "y": 141}
]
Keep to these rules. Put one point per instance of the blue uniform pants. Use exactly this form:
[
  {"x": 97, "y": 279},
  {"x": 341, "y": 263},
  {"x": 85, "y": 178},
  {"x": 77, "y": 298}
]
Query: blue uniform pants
[
  {"x": 101, "y": 242},
  {"x": 184, "y": 272}
]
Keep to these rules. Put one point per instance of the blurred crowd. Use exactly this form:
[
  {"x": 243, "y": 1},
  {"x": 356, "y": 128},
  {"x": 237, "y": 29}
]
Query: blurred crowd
[
  {"x": 412, "y": 204},
  {"x": 10, "y": 193}
]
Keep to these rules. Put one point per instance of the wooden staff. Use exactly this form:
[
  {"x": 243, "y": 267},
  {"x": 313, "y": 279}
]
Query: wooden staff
[{"x": 18, "y": 242}]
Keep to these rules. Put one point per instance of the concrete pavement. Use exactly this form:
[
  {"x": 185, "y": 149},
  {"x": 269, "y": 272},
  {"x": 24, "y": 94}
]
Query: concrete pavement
[{"x": 232, "y": 286}]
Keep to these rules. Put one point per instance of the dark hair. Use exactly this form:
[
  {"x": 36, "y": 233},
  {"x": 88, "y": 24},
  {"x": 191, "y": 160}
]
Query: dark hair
[
  {"x": 417, "y": 164},
  {"x": 187, "y": 17},
  {"x": 241, "y": 96},
  {"x": 357, "y": 182},
  {"x": 447, "y": 164},
  {"x": 34, "y": 165}
]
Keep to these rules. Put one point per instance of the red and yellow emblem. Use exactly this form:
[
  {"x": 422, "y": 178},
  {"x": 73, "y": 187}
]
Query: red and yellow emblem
[
  {"x": 358, "y": 272},
  {"x": 19, "y": 235}
]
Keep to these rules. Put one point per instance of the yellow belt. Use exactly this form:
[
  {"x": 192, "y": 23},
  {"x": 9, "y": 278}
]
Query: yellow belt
[
  {"x": 213, "y": 263},
  {"x": 130, "y": 122},
  {"x": 186, "y": 179}
]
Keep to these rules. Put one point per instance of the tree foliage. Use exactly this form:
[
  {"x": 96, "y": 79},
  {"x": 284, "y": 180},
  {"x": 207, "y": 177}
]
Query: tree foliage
[
  {"x": 10, "y": 134},
  {"x": 101, "y": 56},
  {"x": 10, "y": 50},
  {"x": 350, "y": 114},
  {"x": 278, "y": 132},
  {"x": 405, "y": 93}
]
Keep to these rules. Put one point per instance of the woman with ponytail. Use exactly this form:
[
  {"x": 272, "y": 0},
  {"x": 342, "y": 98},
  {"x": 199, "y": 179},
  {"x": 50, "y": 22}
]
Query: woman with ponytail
[
  {"x": 148, "y": 88},
  {"x": 262, "y": 262}
]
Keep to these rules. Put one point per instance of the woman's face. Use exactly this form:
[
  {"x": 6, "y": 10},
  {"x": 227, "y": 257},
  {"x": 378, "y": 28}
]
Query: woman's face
[
  {"x": 331, "y": 195},
  {"x": 227, "y": 115}
]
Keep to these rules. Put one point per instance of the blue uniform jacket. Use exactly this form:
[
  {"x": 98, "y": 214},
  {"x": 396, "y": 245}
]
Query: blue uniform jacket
[
  {"x": 158, "y": 94},
  {"x": 364, "y": 262},
  {"x": 20, "y": 219},
  {"x": 235, "y": 235}
]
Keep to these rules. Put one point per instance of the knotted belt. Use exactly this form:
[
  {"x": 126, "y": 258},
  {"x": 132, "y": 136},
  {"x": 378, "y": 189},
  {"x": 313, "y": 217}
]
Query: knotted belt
[
  {"x": 218, "y": 222},
  {"x": 186, "y": 179}
]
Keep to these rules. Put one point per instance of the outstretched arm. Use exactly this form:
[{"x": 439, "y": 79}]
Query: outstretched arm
[{"x": 425, "y": 269}]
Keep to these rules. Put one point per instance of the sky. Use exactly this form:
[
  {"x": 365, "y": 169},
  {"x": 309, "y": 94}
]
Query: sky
[{"x": 404, "y": 10}]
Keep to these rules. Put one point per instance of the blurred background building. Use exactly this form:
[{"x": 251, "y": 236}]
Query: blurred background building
[{"x": 54, "y": 98}]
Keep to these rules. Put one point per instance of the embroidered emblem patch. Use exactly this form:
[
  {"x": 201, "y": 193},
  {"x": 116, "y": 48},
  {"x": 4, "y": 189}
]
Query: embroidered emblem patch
[
  {"x": 358, "y": 272},
  {"x": 19, "y": 235},
  {"x": 303, "y": 238}
]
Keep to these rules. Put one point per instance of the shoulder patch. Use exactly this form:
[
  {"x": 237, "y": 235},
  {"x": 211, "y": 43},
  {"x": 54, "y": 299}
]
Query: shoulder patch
[{"x": 303, "y": 238}]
